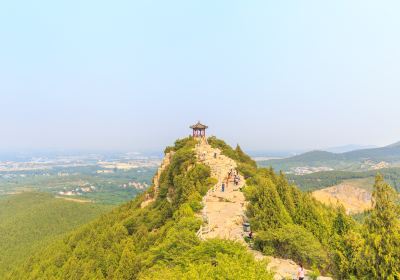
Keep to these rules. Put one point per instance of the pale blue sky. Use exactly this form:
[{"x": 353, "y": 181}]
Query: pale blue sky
[{"x": 135, "y": 74}]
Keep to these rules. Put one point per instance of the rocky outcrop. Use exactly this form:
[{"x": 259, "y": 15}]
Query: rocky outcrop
[
  {"x": 156, "y": 179},
  {"x": 220, "y": 164},
  {"x": 354, "y": 199},
  {"x": 164, "y": 164}
]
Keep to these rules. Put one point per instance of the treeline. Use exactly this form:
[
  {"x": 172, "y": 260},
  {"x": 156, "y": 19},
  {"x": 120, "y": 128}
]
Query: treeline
[
  {"x": 155, "y": 242},
  {"x": 320, "y": 180}
]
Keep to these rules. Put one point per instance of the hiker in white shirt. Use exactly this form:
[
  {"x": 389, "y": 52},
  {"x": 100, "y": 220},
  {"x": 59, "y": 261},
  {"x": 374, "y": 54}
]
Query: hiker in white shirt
[{"x": 300, "y": 272}]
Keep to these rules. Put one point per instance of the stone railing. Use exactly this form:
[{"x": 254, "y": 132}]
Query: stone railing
[{"x": 202, "y": 230}]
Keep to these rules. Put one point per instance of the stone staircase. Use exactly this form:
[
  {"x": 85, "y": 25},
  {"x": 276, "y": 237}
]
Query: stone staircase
[{"x": 223, "y": 212}]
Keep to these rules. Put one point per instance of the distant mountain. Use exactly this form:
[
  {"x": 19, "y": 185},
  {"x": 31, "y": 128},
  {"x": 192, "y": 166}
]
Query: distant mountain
[
  {"x": 314, "y": 156},
  {"x": 274, "y": 153},
  {"x": 261, "y": 154},
  {"x": 349, "y": 148},
  {"x": 353, "y": 160},
  {"x": 397, "y": 144},
  {"x": 389, "y": 153}
]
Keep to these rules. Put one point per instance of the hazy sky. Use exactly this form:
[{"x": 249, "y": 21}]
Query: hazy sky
[{"x": 135, "y": 74}]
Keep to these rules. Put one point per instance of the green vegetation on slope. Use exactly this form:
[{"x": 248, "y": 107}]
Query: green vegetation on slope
[
  {"x": 312, "y": 159},
  {"x": 28, "y": 221},
  {"x": 291, "y": 224},
  {"x": 155, "y": 242},
  {"x": 287, "y": 222},
  {"x": 320, "y": 180}
]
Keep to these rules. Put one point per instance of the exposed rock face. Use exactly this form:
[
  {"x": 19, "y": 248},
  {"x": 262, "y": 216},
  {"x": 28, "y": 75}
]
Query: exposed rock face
[
  {"x": 220, "y": 164},
  {"x": 354, "y": 199},
  {"x": 156, "y": 179},
  {"x": 164, "y": 164}
]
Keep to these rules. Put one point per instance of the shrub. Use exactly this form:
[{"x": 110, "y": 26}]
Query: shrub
[{"x": 292, "y": 242}]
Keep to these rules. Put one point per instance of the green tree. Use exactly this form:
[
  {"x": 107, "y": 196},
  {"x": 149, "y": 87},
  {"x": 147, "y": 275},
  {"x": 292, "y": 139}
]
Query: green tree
[
  {"x": 381, "y": 253},
  {"x": 265, "y": 210},
  {"x": 345, "y": 244},
  {"x": 128, "y": 266},
  {"x": 342, "y": 222},
  {"x": 244, "y": 158}
]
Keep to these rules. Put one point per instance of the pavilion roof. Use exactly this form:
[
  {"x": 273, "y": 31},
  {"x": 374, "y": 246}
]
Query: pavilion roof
[{"x": 198, "y": 125}]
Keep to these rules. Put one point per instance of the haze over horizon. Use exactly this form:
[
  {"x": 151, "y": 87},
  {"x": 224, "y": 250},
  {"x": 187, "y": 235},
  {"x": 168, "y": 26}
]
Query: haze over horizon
[{"x": 134, "y": 76}]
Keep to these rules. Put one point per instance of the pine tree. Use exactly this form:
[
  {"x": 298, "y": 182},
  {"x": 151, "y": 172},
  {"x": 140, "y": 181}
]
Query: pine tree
[
  {"x": 265, "y": 210},
  {"x": 127, "y": 265},
  {"x": 242, "y": 157},
  {"x": 381, "y": 253},
  {"x": 346, "y": 244},
  {"x": 342, "y": 222}
]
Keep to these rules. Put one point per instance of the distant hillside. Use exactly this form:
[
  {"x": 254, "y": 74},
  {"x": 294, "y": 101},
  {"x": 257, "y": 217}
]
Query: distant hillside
[
  {"x": 354, "y": 160},
  {"x": 321, "y": 180},
  {"x": 354, "y": 199},
  {"x": 397, "y": 144},
  {"x": 347, "y": 148},
  {"x": 29, "y": 221}
]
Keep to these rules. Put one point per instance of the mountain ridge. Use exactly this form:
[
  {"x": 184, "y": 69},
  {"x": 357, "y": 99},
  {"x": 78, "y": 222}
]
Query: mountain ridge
[
  {"x": 390, "y": 154},
  {"x": 348, "y": 148}
]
